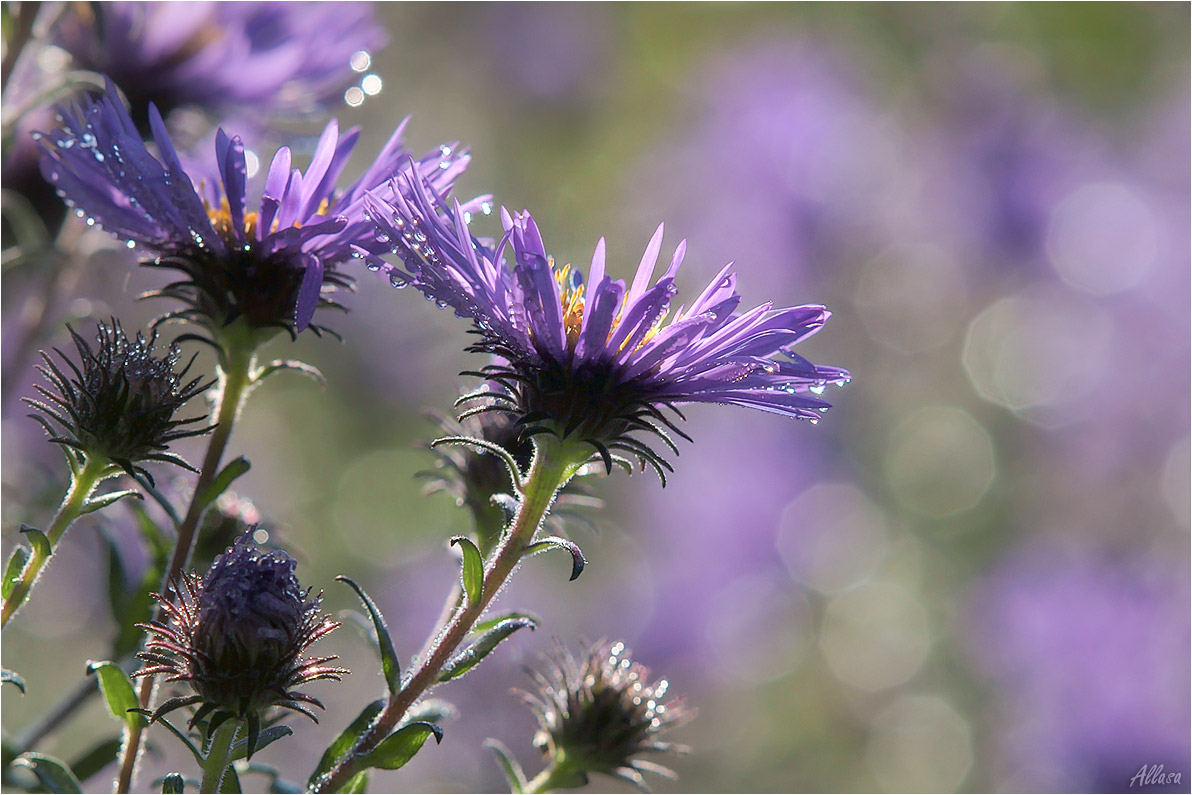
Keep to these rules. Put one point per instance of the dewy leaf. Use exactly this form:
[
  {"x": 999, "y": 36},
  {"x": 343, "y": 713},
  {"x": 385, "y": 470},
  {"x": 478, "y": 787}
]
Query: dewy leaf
[
  {"x": 398, "y": 748},
  {"x": 554, "y": 542},
  {"x": 472, "y": 572},
  {"x": 358, "y": 783},
  {"x": 347, "y": 738},
  {"x": 389, "y": 663},
  {"x": 118, "y": 691},
  {"x": 12, "y": 678},
  {"x": 480, "y": 627},
  {"x": 509, "y": 766},
  {"x": 467, "y": 659},
  {"x": 173, "y": 784},
  {"x": 53, "y": 773},
  {"x": 12, "y": 571},
  {"x": 220, "y": 484}
]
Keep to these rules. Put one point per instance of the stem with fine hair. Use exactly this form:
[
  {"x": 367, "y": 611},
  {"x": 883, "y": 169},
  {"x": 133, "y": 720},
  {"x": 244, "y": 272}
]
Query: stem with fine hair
[
  {"x": 95, "y": 468},
  {"x": 554, "y": 464},
  {"x": 219, "y": 756},
  {"x": 234, "y": 382}
]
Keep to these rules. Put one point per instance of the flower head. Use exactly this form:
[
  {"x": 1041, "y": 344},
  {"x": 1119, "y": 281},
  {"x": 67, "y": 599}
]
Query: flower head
[
  {"x": 119, "y": 401},
  {"x": 599, "y": 713},
  {"x": 268, "y": 266},
  {"x": 289, "y": 57},
  {"x": 237, "y": 637},
  {"x": 599, "y": 364}
]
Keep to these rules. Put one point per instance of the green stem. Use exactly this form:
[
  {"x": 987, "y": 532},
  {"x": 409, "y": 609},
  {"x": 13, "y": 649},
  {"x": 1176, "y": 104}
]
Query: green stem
[
  {"x": 219, "y": 756},
  {"x": 234, "y": 385},
  {"x": 555, "y": 777},
  {"x": 82, "y": 484},
  {"x": 554, "y": 464}
]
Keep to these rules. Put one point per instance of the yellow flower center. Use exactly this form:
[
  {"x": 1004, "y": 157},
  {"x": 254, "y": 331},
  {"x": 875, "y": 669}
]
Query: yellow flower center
[{"x": 571, "y": 292}]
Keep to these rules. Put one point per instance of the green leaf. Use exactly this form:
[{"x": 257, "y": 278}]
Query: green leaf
[
  {"x": 104, "y": 500},
  {"x": 231, "y": 781},
  {"x": 173, "y": 784},
  {"x": 432, "y": 710},
  {"x": 398, "y": 748},
  {"x": 53, "y": 773},
  {"x": 12, "y": 678},
  {"x": 118, "y": 691},
  {"x": 357, "y": 783},
  {"x": 480, "y": 627},
  {"x": 272, "y": 734},
  {"x": 277, "y": 365},
  {"x": 194, "y": 751},
  {"x": 38, "y": 540},
  {"x": 467, "y": 659},
  {"x": 554, "y": 542},
  {"x": 472, "y": 572},
  {"x": 347, "y": 738},
  {"x": 389, "y": 663},
  {"x": 12, "y": 571},
  {"x": 220, "y": 484},
  {"x": 509, "y": 766},
  {"x": 101, "y": 755}
]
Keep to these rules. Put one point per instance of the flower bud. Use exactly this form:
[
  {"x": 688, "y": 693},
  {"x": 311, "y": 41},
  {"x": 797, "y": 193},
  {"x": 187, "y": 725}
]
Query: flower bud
[
  {"x": 237, "y": 637},
  {"x": 599, "y": 713},
  {"x": 121, "y": 401}
]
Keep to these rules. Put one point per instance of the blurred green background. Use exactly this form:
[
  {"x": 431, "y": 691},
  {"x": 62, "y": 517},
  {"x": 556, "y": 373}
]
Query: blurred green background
[{"x": 972, "y": 575}]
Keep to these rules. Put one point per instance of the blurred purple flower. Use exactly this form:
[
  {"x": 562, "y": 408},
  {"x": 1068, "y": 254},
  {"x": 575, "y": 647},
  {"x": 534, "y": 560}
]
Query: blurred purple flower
[
  {"x": 287, "y": 57},
  {"x": 269, "y": 266},
  {"x": 1090, "y": 662},
  {"x": 601, "y": 365}
]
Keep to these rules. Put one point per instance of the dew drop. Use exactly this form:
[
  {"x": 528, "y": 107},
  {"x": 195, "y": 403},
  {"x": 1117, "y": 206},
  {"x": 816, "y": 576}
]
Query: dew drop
[
  {"x": 818, "y": 389},
  {"x": 372, "y": 266}
]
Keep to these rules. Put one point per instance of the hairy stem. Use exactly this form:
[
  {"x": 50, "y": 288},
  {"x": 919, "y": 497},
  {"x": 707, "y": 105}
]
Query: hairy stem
[
  {"x": 233, "y": 387},
  {"x": 554, "y": 464},
  {"x": 82, "y": 484},
  {"x": 218, "y": 756}
]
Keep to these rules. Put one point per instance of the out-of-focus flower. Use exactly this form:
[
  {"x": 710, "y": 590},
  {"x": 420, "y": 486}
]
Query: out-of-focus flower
[
  {"x": 285, "y": 57},
  {"x": 1091, "y": 662},
  {"x": 481, "y": 481},
  {"x": 268, "y": 266},
  {"x": 599, "y": 366},
  {"x": 599, "y": 713},
  {"x": 119, "y": 402},
  {"x": 237, "y": 637}
]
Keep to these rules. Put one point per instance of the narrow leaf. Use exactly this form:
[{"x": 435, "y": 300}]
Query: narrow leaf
[
  {"x": 467, "y": 659},
  {"x": 231, "y": 781},
  {"x": 309, "y": 370},
  {"x": 267, "y": 736},
  {"x": 100, "y": 756},
  {"x": 472, "y": 572},
  {"x": 398, "y": 748},
  {"x": 38, "y": 540},
  {"x": 104, "y": 500},
  {"x": 480, "y": 627},
  {"x": 173, "y": 784},
  {"x": 554, "y": 542},
  {"x": 53, "y": 773},
  {"x": 509, "y": 766},
  {"x": 118, "y": 691},
  {"x": 347, "y": 738},
  {"x": 220, "y": 484},
  {"x": 389, "y": 663},
  {"x": 12, "y": 678},
  {"x": 12, "y": 571}
]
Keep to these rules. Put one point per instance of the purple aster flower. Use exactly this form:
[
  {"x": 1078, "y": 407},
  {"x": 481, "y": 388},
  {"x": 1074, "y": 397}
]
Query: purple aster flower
[
  {"x": 237, "y": 636},
  {"x": 286, "y": 56},
  {"x": 270, "y": 265},
  {"x": 598, "y": 366}
]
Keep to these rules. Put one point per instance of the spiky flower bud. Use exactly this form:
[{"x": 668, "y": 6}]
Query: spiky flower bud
[
  {"x": 119, "y": 402},
  {"x": 237, "y": 637},
  {"x": 599, "y": 713}
]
